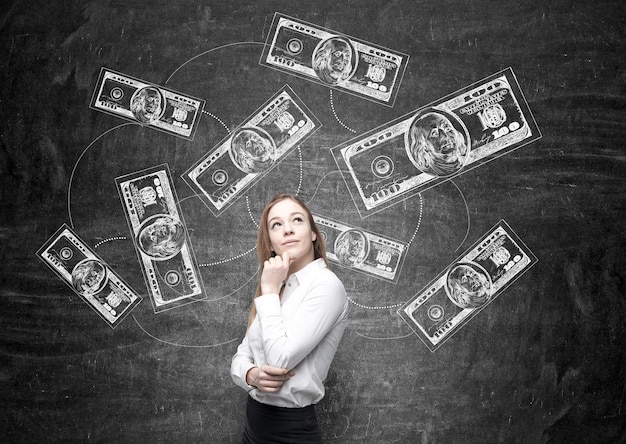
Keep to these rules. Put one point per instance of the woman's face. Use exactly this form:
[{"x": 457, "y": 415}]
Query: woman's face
[{"x": 290, "y": 231}]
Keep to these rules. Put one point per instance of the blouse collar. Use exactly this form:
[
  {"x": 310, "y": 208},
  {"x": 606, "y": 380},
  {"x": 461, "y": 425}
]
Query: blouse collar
[{"x": 309, "y": 271}]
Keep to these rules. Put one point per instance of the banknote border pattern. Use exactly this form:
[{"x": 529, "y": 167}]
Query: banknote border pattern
[
  {"x": 177, "y": 303},
  {"x": 57, "y": 234},
  {"x": 350, "y": 180},
  {"x": 323, "y": 221},
  {"x": 198, "y": 190},
  {"x": 267, "y": 47},
  {"x": 471, "y": 312},
  {"x": 99, "y": 83}
]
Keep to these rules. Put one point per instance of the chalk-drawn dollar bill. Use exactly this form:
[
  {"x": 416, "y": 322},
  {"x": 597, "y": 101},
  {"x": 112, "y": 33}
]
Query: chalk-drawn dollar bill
[
  {"x": 89, "y": 276},
  {"x": 361, "y": 250},
  {"x": 467, "y": 286},
  {"x": 333, "y": 59},
  {"x": 138, "y": 101},
  {"x": 432, "y": 144},
  {"x": 160, "y": 237},
  {"x": 244, "y": 157}
]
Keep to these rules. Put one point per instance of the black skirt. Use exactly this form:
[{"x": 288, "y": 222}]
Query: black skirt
[{"x": 269, "y": 424}]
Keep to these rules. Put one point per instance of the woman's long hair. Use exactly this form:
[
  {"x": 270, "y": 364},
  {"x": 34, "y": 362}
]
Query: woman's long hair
[{"x": 264, "y": 247}]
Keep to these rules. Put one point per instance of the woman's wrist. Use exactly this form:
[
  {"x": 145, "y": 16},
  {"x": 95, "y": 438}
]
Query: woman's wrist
[
  {"x": 249, "y": 377},
  {"x": 269, "y": 289}
]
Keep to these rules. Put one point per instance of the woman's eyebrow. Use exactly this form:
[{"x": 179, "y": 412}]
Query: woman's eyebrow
[{"x": 291, "y": 215}]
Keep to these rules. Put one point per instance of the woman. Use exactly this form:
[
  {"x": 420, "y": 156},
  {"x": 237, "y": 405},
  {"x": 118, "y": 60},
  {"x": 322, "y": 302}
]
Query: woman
[{"x": 294, "y": 328}]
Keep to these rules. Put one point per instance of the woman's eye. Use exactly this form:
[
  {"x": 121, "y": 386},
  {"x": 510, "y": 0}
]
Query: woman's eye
[
  {"x": 298, "y": 219},
  {"x": 275, "y": 225}
]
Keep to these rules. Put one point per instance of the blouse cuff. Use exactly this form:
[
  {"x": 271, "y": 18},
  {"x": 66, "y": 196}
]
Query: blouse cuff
[{"x": 245, "y": 379}]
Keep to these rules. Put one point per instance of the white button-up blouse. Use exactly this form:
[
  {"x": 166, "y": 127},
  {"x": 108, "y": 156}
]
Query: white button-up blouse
[{"x": 299, "y": 331}]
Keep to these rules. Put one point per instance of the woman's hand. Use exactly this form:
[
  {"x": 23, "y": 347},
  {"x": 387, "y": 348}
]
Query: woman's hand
[
  {"x": 268, "y": 379},
  {"x": 275, "y": 271}
]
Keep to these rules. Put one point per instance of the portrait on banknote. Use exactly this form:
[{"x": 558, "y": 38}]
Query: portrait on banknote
[
  {"x": 152, "y": 105},
  {"x": 90, "y": 277},
  {"x": 160, "y": 237},
  {"x": 435, "y": 143},
  {"x": 333, "y": 59},
  {"x": 147, "y": 104},
  {"x": 467, "y": 285},
  {"x": 251, "y": 151}
]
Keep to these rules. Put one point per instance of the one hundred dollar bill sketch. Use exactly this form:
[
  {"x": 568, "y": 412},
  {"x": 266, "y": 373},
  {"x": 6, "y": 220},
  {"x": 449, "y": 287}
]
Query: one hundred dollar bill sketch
[
  {"x": 243, "y": 158},
  {"x": 160, "y": 237},
  {"x": 89, "y": 276},
  {"x": 436, "y": 143},
  {"x": 361, "y": 250},
  {"x": 152, "y": 105},
  {"x": 467, "y": 286},
  {"x": 334, "y": 60}
]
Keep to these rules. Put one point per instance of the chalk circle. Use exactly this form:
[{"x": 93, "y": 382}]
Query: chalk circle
[
  {"x": 382, "y": 166},
  {"x": 89, "y": 277},
  {"x": 437, "y": 142},
  {"x": 147, "y": 104},
  {"x": 161, "y": 237},
  {"x": 252, "y": 150},
  {"x": 435, "y": 312},
  {"x": 117, "y": 93},
  {"x": 352, "y": 247},
  {"x": 219, "y": 178},
  {"x": 324, "y": 234},
  {"x": 66, "y": 253},
  {"x": 172, "y": 278},
  {"x": 468, "y": 285},
  {"x": 334, "y": 60},
  {"x": 294, "y": 46}
]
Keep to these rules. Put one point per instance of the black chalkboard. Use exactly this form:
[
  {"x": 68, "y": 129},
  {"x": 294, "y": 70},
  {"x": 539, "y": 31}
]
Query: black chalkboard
[{"x": 542, "y": 362}]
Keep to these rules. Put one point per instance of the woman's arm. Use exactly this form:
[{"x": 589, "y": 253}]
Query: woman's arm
[
  {"x": 248, "y": 376},
  {"x": 288, "y": 343},
  {"x": 241, "y": 364}
]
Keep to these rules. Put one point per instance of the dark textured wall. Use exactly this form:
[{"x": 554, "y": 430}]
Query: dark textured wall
[{"x": 545, "y": 362}]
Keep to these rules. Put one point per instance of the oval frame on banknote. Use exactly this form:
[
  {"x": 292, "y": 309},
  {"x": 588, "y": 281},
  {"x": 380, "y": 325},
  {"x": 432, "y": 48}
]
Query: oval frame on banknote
[
  {"x": 163, "y": 250},
  {"x": 354, "y": 62},
  {"x": 365, "y": 250},
  {"x": 456, "y": 123},
  {"x": 472, "y": 303},
  {"x": 260, "y": 133},
  {"x": 162, "y": 107},
  {"x": 92, "y": 264}
]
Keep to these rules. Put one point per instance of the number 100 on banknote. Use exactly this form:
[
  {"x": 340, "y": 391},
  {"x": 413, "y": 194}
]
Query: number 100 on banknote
[
  {"x": 89, "y": 276},
  {"x": 467, "y": 286},
  {"x": 333, "y": 59},
  {"x": 435, "y": 143},
  {"x": 152, "y": 105},
  {"x": 160, "y": 237},
  {"x": 251, "y": 151}
]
